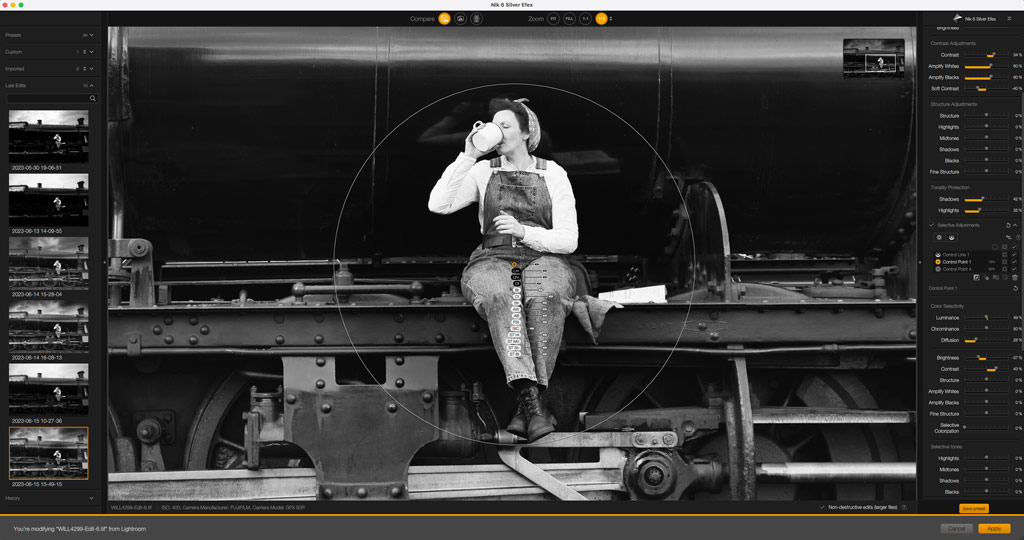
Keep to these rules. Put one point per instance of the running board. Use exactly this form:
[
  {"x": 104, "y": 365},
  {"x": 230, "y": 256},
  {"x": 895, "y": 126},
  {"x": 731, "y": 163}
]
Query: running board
[
  {"x": 425, "y": 482},
  {"x": 599, "y": 480}
]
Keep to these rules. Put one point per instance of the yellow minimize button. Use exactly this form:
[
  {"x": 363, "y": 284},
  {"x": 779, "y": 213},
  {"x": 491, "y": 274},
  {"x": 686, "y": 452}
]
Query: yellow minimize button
[
  {"x": 993, "y": 528},
  {"x": 974, "y": 508}
]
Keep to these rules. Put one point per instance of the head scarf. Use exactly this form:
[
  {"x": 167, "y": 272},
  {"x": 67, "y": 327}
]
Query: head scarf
[{"x": 534, "y": 126}]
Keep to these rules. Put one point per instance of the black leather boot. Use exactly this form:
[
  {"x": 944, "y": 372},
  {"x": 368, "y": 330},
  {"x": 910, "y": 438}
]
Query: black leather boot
[
  {"x": 518, "y": 424},
  {"x": 519, "y": 427},
  {"x": 535, "y": 414}
]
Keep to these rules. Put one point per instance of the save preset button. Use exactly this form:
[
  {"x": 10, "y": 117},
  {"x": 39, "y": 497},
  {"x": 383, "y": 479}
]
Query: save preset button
[
  {"x": 974, "y": 508},
  {"x": 993, "y": 528}
]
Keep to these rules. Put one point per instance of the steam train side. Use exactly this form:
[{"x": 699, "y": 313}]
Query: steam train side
[
  {"x": 48, "y": 331},
  {"x": 317, "y": 345},
  {"x": 38, "y": 142},
  {"x": 36, "y": 268},
  {"x": 41, "y": 458},
  {"x": 36, "y": 205},
  {"x": 40, "y": 395}
]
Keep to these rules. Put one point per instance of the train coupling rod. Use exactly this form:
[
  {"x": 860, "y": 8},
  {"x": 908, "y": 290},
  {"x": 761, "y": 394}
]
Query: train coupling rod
[{"x": 512, "y": 446}]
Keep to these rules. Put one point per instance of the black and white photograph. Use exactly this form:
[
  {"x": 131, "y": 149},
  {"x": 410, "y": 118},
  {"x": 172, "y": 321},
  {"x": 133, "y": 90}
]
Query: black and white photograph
[
  {"x": 53, "y": 389},
  {"x": 52, "y": 262},
  {"x": 48, "y": 199},
  {"x": 48, "y": 325},
  {"x": 634, "y": 264},
  {"x": 49, "y": 453},
  {"x": 48, "y": 136},
  {"x": 874, "y": 58}
]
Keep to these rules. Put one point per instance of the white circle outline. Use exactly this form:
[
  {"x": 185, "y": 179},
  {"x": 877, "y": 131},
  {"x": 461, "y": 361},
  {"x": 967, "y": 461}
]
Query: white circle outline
[{"x": 373, "y": 152}]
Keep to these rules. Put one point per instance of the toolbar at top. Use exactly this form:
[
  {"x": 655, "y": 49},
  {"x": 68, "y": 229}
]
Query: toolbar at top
[{"x": 521, "y": 5}]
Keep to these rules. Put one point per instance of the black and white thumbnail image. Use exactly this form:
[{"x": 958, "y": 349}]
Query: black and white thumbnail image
[
  {"x": 48, "y": 136},
  {"x": 874, "y": 58},
  {"x": 48, "y": 325},
  {"x": 49, "y": 453},
  {"x": 54, "y": 262},
  {"x": 48, "y": 199},
  {"x": 48, "y": 389}
]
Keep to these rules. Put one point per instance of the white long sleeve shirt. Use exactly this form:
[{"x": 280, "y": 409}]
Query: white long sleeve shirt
[{"x": 464, "y": 182}]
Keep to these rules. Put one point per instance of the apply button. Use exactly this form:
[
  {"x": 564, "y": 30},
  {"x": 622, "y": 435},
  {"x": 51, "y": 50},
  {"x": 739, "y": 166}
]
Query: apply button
[
  {"x": 974, "y": 508},
  {"x": 993, "y": 528}
]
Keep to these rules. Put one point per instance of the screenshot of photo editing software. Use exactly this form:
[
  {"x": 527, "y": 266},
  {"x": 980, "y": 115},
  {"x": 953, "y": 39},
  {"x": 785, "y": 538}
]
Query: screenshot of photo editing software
[{"x": 514, "y": 260}]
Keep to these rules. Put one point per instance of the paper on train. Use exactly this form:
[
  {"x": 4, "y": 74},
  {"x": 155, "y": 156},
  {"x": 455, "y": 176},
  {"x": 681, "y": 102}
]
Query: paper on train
[{"x": 639, "y": 295}]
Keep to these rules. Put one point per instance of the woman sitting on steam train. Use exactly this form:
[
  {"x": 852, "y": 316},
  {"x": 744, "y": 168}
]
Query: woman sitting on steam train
[{"x": 518, "y": 279}]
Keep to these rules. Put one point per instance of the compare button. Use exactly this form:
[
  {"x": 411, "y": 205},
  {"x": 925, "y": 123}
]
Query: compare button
[
  {"x": 993, "y": 528},
  {"x": 974, "y": 508}
]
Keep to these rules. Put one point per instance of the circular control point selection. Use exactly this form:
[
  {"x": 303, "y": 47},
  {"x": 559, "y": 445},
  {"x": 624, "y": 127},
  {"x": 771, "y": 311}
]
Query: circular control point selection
[
  {"x": 553, "y": 18},
  {"x": 586, "y": 18},
  {"x": 569, "y": 18}
]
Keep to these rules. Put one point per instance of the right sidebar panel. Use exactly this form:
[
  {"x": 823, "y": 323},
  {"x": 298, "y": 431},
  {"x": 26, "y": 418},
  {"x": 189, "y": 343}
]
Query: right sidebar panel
[{"x": 972, "y": 401}]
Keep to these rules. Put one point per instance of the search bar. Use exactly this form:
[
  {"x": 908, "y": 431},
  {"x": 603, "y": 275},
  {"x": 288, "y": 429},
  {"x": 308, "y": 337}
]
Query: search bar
[{"x": 52, "y": 98}]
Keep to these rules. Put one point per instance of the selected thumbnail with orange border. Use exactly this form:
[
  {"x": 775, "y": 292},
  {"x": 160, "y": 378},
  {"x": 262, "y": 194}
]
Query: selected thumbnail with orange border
[{"x": 48, "y": 453}]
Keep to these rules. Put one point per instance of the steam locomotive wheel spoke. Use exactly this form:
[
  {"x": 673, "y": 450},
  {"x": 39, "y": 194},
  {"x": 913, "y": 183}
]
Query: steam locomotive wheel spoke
[
  {"x": 214, "y": 440},
  {"x": 228, "y": 454},
  {"x": 795, "y": 447}
]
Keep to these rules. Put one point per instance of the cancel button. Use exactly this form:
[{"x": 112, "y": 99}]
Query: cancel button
[{"x": 956, "y": 528}]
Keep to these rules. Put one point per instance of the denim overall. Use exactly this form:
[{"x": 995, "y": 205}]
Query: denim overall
[{"x": 525, "y": 311}]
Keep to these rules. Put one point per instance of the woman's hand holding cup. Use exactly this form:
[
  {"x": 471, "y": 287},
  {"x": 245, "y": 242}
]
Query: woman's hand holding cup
[
  {"x": 470, "y": 149},
  {"x": 483, "y": 139}
]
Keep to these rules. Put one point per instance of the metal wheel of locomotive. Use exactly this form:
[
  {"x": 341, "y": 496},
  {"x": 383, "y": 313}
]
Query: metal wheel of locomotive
[
  {"x": 773, "y": 443},
  {"x": 215, "y": 436}
]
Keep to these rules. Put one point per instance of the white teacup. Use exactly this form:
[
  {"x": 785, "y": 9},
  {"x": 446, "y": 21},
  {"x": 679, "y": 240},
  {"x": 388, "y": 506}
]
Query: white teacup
[{"x": 487, "y": 136}]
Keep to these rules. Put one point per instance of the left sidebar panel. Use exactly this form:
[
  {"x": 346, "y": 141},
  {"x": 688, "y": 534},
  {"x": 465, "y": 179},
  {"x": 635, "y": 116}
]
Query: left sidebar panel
[{"x": 52, "y": 73}]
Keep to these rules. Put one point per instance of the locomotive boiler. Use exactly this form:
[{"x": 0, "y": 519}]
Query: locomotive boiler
[{"x": 285, "y": 319}]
